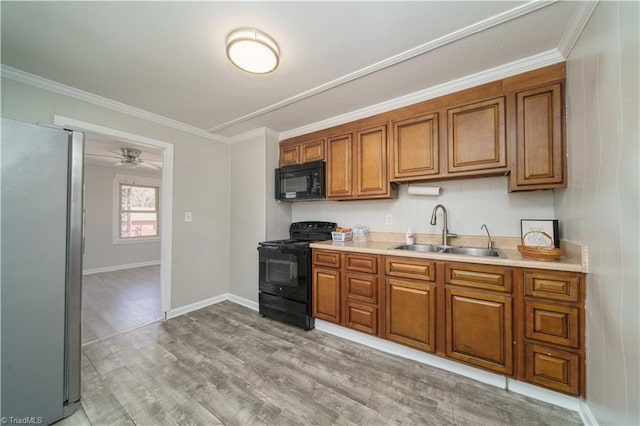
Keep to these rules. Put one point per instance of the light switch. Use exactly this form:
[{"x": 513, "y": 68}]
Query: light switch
[{"x": 187, "y": 217}]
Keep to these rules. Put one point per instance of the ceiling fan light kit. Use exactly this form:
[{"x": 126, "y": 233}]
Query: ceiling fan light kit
[{"x": 252, "y": 51}]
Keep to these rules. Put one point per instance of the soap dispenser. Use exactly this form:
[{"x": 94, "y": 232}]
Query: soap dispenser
[{"x": 409, "y": 237}]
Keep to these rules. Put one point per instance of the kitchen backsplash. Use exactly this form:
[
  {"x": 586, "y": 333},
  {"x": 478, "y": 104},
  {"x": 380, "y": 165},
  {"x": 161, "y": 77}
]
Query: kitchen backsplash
[{"x": 469, "y": 203}]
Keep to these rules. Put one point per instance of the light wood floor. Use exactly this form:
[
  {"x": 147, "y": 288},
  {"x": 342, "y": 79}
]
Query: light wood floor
[
  {"x": 225, "y": 364},
  {"x": 113, "y": 302}
]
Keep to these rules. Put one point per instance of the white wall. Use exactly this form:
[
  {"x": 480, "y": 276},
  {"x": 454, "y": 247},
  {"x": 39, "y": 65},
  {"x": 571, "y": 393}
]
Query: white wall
[
  {"x": 600, "y": 207},
  {"x": 200, "y": 266},
  {"x": 255, "y": 216},
  {"x": 100, "y": 252},
  {"x": 469, "y": 203}
]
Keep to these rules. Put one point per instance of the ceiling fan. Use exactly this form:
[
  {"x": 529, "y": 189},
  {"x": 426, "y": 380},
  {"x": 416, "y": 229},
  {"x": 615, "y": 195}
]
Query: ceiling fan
[{"x": 130, "y": 158}]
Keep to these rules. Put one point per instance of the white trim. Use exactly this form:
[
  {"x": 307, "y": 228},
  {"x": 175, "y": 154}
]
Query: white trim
[
  {"x": 166, "y": 225},
  {"x": 72, "y": 92},
  {"x": 493, "y": 379},
  {"x": 243, "y": 302},
  {"x": 172, "y": 313},
  {"x": 211, "y": 301},
  {"x": 578, "y": 21},
  {"x": 261, "y": 132},
  {"x": 452, "y": 37},
  {"x": 120, "y": 267},
  {"x": 545, "y": 395},
  {"x": 543, "y": 59},
  {"x": 587, "y": 415}
]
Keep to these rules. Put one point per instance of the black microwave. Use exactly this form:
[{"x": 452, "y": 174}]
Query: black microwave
[{"x": 301, "y": 182}]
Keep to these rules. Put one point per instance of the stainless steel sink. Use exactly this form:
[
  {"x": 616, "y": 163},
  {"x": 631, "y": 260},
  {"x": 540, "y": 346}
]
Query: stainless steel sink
[
  {"x": 474, "y": 251},
  {"x": 467, "y": 251},
  {"x": 424, "y": 248}
]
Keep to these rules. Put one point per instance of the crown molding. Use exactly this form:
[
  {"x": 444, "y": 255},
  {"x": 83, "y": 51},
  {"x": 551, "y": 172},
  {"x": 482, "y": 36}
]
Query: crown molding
[
  {"x": 72, "y": 92},
  {"x": 577, "y": 23},
  {"x": 457, "y": 35},
  {"x": 261, "y": 132},
  {"x": 531, "y": 63}
]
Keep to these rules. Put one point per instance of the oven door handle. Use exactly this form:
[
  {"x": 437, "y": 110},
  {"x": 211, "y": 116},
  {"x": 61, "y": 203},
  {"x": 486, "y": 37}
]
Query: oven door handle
[{"x": 285, "y": 250}]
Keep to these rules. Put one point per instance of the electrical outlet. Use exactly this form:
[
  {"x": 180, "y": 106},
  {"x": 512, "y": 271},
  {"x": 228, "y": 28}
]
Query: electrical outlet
[
  {"x": 388, "y": 220},
  {"x": 187, "y": 217}
]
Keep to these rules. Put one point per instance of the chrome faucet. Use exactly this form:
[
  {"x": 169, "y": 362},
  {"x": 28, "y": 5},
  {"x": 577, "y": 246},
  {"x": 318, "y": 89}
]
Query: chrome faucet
[
  {"x": 445, "y": 231},
  {"x": 490, "y": 243}
]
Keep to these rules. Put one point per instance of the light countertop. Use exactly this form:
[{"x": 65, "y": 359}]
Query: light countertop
[{"x": 574, "y": 259}]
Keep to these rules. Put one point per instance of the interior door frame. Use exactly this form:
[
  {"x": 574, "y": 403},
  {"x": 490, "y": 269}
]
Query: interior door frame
[{"x": 166, "y": 227}]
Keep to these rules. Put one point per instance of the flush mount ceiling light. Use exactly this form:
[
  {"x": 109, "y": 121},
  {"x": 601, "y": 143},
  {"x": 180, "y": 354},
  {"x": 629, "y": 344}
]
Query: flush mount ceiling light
[{"x": 253, "y": 51}]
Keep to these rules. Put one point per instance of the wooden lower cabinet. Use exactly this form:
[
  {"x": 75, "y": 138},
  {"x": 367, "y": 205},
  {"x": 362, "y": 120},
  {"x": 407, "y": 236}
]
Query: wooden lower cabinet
[
  {"x": 479, "y": 329},
  {"x": 411, "y": 313},
  {"x": 326, "y": 294},
  {"x": 524, "y": 323}
]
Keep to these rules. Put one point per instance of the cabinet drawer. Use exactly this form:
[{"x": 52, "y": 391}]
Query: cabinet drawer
[
  {"x": 478, "y": 276},
  {"x": 552, "y": 286},
  {"x": 361, "y": 263},
  {"x": 557, "y": 370},
  {"x": 361, "y": 317},
  {"x": 552, "y": 323},
  {"x": 403, "y": 267},
  {"x": 363, "y": 287},
  {"x": 326, "y": 258}
]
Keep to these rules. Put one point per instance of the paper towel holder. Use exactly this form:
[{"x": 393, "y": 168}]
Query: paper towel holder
[{"x": 424, "y": 190}]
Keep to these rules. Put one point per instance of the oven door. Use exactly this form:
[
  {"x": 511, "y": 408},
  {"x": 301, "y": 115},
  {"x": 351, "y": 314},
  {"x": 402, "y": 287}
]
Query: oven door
[{"x": 285, "y": 272}]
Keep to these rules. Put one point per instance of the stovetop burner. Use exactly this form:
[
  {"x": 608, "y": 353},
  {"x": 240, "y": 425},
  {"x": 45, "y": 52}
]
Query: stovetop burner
[{"x": 303, "y": 233}]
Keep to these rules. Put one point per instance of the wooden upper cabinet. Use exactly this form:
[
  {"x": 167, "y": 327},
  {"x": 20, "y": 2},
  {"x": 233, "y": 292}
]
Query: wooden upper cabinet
[
  {"x": 340, "y": 167},
  {"x": 312, "y": 151},
  {"x": 303, "y": 152},
  {"x": 539, "y": 149},
  {"x": 289, "y": 155},
  {"x": 414, "y": 148},
  {"x": 371, "y": 162},
  {"x": 476, "y": 136}
]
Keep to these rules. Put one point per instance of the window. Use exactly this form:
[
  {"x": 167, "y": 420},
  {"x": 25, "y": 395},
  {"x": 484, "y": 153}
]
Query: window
[{"x": 138, "y": 211}]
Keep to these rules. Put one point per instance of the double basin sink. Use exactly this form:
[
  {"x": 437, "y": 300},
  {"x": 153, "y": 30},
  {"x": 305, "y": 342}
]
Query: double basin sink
[{"x": 468, "y": 251}]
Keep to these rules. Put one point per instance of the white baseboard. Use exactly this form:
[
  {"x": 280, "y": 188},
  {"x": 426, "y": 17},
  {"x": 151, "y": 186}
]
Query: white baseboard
[
  {"x": 587, "y": 415},
  {"x": 195, "y": 306},
  {"x": 120, "y": 267},
  {"x": 243, "y": 302},
  {"x": 541, "y": 394},
  {"x": 211, "y": 301}
]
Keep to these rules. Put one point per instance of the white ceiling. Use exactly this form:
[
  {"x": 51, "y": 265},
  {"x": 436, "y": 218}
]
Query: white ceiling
[{"x": 168, "y": 58}]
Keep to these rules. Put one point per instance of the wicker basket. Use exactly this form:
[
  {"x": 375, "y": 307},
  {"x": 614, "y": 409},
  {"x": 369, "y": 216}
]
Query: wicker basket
[{"x": 547, "y": 253}]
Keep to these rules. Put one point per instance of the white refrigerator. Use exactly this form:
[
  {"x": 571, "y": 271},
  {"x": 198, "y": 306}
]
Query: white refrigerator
[{"x": 41, "y": 272}]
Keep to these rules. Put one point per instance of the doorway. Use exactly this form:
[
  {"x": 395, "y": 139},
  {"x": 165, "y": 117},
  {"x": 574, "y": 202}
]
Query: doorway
[{"x": 117, "y": 287}]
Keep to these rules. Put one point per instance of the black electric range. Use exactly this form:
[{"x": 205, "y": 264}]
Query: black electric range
[{"x": 285, "y": 273}]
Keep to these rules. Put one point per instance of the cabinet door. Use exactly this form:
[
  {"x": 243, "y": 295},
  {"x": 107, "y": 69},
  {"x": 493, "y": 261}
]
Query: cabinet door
[
  {"x": 479, "y": 329},
  {"x": 371, "y": 162},
  {"x": 414, "y": 148},
  {"x": 312, "y": 151},
  {"x": 410, "y": 313},
  {"x": 539, "y": 139},
  {"x": 326, "y": 294},
  {"x": 289, "y": 155},
  {"x": 476, "y": 136},
  {"x": 340, "y": 167}
]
